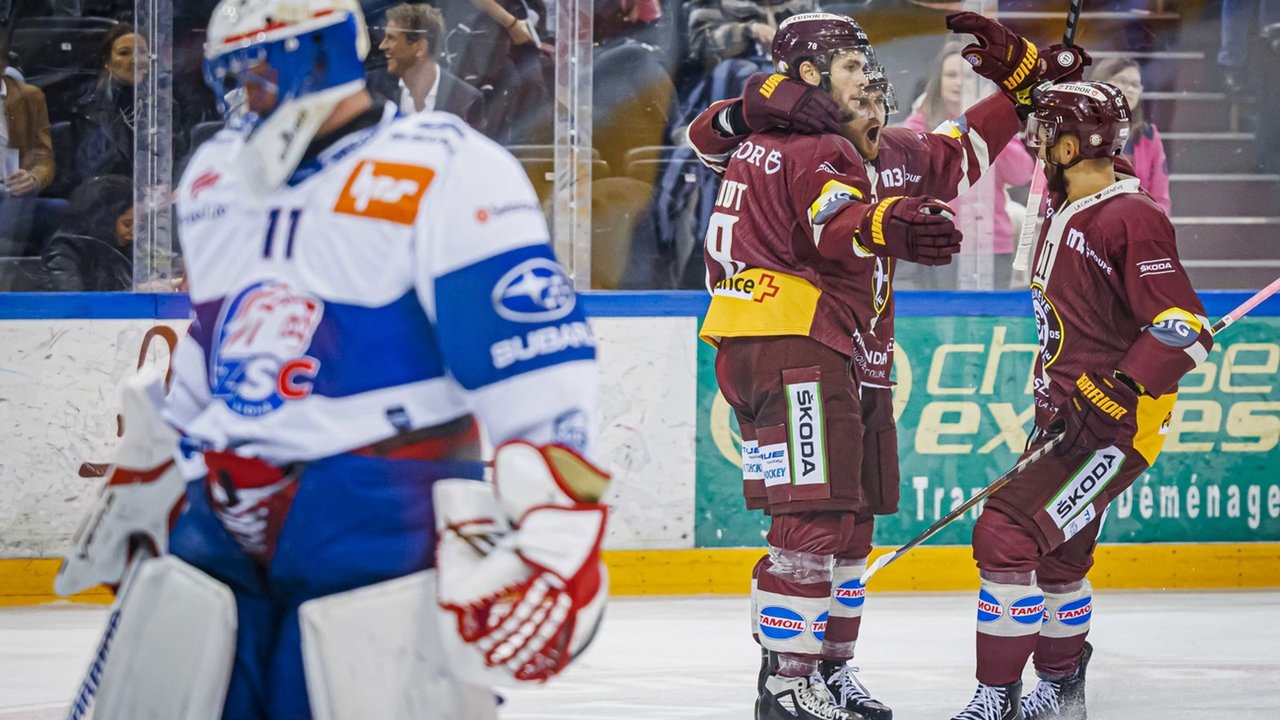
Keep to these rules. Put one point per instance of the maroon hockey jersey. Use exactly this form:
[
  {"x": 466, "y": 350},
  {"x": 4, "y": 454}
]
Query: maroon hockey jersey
[
  {"x": 1110, "y": 294},
  {"x": 942, "y": 164}
]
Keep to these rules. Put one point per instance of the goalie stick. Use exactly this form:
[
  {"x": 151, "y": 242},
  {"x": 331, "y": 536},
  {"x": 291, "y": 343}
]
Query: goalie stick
[{"x": 1045, "y": 449}]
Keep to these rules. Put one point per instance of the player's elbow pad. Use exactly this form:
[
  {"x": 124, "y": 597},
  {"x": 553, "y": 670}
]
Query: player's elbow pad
[{"x": 1169, "y": 348}]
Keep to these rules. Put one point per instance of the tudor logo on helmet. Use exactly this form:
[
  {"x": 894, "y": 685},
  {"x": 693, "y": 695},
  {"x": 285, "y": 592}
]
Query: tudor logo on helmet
[{"x": 1094, "y": 112}]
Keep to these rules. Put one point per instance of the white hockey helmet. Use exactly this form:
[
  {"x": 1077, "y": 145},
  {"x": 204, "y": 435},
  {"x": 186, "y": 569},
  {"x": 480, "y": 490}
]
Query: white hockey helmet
[{"x": 308, "y": 53}]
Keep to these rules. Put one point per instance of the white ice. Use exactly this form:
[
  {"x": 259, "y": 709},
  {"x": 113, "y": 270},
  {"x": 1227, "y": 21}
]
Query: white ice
[{"x": 1165, "y": 655}]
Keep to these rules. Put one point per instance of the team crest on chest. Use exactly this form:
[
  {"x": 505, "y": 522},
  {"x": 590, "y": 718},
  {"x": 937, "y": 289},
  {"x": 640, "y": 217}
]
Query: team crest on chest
[
  {"x": 1049, "y": 329},
  {"x": 258, "y": 356}
]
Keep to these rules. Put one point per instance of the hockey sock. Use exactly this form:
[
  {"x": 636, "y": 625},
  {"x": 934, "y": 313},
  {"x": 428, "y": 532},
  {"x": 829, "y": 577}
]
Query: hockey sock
[
  {"x": 791, "y": 598},
  {"x": 1068, "y": 610},
  {"x": 1009, "y": 619},
  {"x": 845, "y": 614}
]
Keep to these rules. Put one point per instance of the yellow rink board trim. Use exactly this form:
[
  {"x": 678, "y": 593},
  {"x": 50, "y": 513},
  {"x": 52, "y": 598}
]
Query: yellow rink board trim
[{"x": 726, "y": 571}]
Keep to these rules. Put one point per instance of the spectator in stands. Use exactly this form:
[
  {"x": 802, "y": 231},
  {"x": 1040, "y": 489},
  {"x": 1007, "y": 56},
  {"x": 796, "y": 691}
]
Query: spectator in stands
[
  {"x": 1013, "y": 167},
  {"x": 413, "y": 78},
  {"x": 105, "y": 115},
  {"x": 1144, "y": 148},
  {"x": 1242, "y": 22},
  {"x": 93, "y": 251},
  {"x": 723, "y": 29},
  {"x": 27, "y": 165},
  {"x": 502, "y": 53}
]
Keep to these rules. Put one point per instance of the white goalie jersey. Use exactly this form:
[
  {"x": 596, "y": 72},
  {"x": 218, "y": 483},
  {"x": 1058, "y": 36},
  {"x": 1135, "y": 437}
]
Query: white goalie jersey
[{"x": 399, "y": 280}]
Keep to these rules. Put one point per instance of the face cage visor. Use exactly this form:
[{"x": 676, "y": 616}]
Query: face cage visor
[
  {"x": 877, "y": 82},
  {"x": 306, "y": 63},
  {"x": 1041, "y": 133}
]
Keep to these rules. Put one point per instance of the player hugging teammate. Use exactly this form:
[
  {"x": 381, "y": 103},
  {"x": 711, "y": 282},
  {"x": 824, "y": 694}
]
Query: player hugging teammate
[{"x": 819, "y": 442}]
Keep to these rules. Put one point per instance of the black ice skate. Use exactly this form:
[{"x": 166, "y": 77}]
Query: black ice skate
[
  {"x": 994, "y": 702},
  {"x": 1059, "y": 698},
  {"x": 851, "y": 694},
  {"x": 798, "y": 698}
]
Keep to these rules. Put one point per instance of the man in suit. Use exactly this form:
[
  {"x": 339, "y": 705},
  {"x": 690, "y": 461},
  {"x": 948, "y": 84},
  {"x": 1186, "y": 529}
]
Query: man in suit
[
  {"x": 414, "y": 36},
  {"x": 26, "y": 166}
]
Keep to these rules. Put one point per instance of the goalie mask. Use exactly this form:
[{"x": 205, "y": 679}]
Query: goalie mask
[{"x": 278, "y": 69}]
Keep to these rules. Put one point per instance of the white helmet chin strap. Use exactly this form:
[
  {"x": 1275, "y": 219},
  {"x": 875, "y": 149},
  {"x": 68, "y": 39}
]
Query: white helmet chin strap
[{"x": 276, "y": 146}]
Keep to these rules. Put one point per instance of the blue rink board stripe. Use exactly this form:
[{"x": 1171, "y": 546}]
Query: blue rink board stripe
[{"x": 1010, "y": 303}]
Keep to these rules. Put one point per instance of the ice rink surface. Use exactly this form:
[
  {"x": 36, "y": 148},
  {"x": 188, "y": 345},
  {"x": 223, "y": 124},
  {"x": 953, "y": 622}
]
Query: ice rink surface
[{"x": 1158, "y": 655}]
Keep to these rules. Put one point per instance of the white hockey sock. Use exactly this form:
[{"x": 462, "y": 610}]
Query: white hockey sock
[
  {"x": 1009, "y": 610},
  {"x": 847, "y": 597},
  {"x": 1067, "y": 612}
]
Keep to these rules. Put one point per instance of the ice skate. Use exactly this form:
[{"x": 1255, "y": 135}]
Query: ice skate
[
  {"x": 994, "y": 702},
  {"x": 850, "y": 694},
  {"x": 1059, "y": 698},
  {"x": 798, "y": 698}
]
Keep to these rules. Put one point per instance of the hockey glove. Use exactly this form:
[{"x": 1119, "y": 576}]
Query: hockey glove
[
  {"x": 1059, "y": 63},
  {"x": 918, "y": 229},
  {"x": 143, "y": 488},
  {"x": 1000, "y": 55},
  {"x": 774, "y": 102},
  {"x": 1099, "y": 413},
  {"x": 520, "y": 574}
]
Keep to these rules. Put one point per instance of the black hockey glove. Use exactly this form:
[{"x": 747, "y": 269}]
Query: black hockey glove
[
  {"x": 1099, "y": 412},
  {"x": 917, "y": 229}
]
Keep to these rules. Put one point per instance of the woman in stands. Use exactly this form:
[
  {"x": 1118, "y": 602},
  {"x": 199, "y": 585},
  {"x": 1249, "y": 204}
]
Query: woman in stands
[
  {"x": 105, "y": 115},
  {"x": 940, "y": 102},
  {"x": 93, "y": 250},
  {"x": 1144, "y": 148}
]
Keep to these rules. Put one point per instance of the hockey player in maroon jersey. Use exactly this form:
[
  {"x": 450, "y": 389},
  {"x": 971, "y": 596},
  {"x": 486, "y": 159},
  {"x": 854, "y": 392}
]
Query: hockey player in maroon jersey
[
  {"x": 792, "y": 228},
  {"x": 899, "y": 163},
  {"x": 1119, "y": 324}
]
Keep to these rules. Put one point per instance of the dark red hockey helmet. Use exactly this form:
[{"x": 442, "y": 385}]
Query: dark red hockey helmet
[
  {"x": 1095, "y": 112},
  {"x": 817, "y": 37}
]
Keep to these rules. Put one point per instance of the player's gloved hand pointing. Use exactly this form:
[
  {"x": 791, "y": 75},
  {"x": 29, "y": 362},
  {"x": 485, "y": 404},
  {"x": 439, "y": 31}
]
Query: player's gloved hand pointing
[
  {"x": 520, "y": 576},
  {"x": 1000, "y": 55},
  {"x": 917, "y": 229},
  {"x": 774, "y": 102},
  {"x": 1099, "y": 413}
]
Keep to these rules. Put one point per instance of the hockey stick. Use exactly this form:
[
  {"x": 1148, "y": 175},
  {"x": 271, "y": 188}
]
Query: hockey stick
[
  {"x": 1045, "y": 449},
  {"x": 1246, "y": 306},
  {"x": 1032, "y": 219}
]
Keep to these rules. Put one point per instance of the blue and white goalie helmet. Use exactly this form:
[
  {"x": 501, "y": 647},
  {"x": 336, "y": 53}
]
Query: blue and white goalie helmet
[{"x": 278, "y": 69}]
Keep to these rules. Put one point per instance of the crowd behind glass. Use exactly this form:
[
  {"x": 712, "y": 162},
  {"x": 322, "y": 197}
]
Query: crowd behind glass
[{"x": 71, "y": 69}]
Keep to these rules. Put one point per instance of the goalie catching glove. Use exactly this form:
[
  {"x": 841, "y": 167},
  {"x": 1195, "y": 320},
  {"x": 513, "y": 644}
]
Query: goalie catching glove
[{"x": 520, "y": 576}]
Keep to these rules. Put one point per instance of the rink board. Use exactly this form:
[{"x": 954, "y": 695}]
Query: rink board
[{"x": 1208, "y": 514}]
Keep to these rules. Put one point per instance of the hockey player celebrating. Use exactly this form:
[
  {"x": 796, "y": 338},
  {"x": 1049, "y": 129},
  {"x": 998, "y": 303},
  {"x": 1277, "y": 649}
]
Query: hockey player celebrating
[
  {"x": 1119, "y": 324},
  {"x": 898, "y": 163},
  {"x": 369, "y": 290}
]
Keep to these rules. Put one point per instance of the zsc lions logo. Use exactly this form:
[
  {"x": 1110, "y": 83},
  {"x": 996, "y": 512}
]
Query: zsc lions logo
[
  {"x": 536, "y": 290},
  {"x": 259, "y": 348}
]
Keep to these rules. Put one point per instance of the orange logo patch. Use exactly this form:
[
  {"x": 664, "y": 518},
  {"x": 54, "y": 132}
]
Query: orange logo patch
[{"x": 385, "y": 191}]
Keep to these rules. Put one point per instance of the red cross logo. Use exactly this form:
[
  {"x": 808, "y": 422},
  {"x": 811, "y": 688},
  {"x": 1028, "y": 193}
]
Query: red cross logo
[{"x": 766, "y": 281}]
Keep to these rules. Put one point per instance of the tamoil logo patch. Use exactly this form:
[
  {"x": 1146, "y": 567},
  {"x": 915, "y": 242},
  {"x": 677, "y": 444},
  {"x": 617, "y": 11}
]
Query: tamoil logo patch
[
  {"x": 781, "y": 623},
  {"x": 385, "y": 191},
  {"x": 1076, "y": 612},
  {"x": 1028, "y": 610},
  {"x": 850, "y": 593},
  {"x": 989, "y": 608}
]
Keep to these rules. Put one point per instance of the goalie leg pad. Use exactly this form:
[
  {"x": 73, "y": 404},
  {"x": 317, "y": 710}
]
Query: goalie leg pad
[
  {"x": 376, "y": 652},
  {"x": 173, "y": 649}
]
